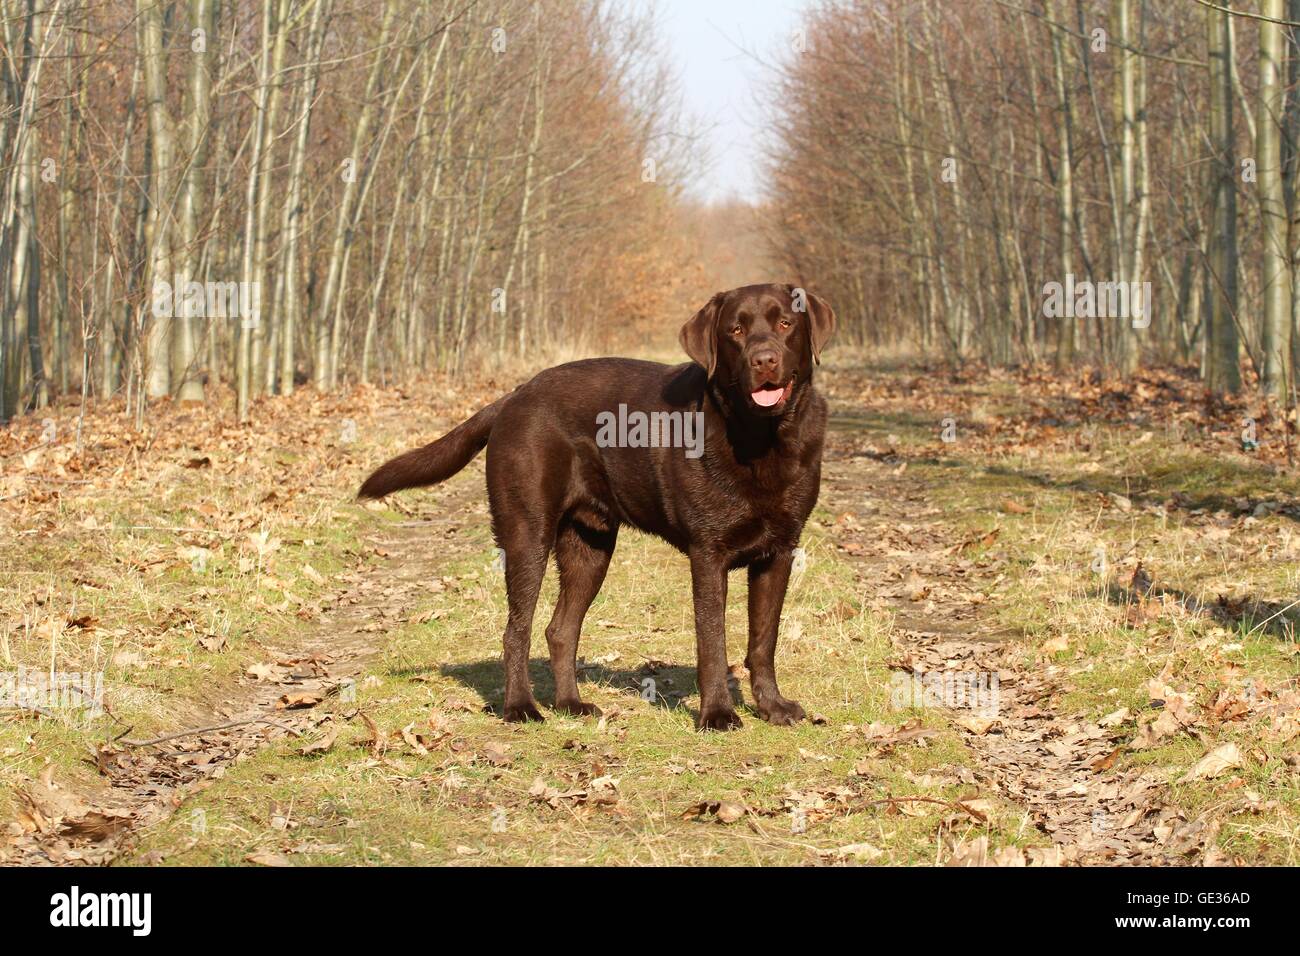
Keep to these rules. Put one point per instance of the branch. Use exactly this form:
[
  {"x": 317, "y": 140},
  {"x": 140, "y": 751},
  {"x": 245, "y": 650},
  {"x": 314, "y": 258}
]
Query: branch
[{"x": 1246, "y": 14}]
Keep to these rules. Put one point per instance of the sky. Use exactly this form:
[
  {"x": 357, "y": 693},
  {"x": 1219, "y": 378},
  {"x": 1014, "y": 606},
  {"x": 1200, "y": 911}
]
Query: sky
[{"x": 713, "y": 44}]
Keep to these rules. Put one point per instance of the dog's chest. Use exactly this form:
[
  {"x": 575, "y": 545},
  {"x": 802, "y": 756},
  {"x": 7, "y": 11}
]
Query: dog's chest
[{"x": 765, "y": 509}]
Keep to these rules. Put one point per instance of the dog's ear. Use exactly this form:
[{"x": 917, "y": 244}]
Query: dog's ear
[
  {"x": 821, "y": 324},
  {"x": 699, "y": 336}
]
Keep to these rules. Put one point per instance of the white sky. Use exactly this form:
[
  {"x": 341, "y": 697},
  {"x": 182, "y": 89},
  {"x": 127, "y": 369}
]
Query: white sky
[{"x": 713, "y": 44}]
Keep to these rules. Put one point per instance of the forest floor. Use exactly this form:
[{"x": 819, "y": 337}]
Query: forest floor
[{"x": 292, "y": 678}]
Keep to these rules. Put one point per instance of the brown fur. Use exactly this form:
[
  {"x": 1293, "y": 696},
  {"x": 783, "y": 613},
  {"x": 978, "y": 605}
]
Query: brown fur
[{"x": 742, "y": 503}]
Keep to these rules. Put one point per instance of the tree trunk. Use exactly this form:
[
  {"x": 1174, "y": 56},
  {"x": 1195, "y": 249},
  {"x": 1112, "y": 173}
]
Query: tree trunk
[
  {"x": 159, "y": 329},
  {"x": 291, "y": 310},
  {"x": 1276, "y": 339},
  {"x": 198, "y": 121},
  {"x": 327, "y": 346},
  {"x": 248, "y": 323},
  {"x": 1222, "y": 371},
  {"x": 260, "y": 361},
  {"x": 1065, "y": 341}
]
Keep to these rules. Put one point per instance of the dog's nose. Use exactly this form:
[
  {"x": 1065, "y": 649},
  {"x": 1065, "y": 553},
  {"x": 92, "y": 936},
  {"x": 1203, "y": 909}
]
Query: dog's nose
[{"x": 764, "y": 360}]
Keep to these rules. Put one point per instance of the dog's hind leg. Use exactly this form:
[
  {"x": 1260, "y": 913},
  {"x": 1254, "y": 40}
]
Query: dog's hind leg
[
  {"x": 526, "y": 482},
  {"x": 527, "y": 545},
  {"x": 582, "y": 555}
]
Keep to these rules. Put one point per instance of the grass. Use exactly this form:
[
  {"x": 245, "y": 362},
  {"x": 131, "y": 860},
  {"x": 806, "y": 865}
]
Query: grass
[
  {"x": 641, "y": 786},
  {"x": 184, "y": 555},
  {"x": 1226, "y": 626},
  {"x": 469, "y": 800}
]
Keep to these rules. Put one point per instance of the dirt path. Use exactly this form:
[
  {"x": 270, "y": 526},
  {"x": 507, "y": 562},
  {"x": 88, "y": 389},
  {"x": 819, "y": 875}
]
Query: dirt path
[{"x": 940, "y": 590}]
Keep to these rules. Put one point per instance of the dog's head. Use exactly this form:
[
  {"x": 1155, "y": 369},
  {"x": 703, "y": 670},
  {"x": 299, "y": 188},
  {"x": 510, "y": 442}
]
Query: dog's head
[{"x": 760, "y": 342}]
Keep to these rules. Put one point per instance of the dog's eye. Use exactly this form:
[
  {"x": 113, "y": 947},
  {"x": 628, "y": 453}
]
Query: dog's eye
[
  {"x": 738, "y": 330},
  {"x": 786, "y": 323}
]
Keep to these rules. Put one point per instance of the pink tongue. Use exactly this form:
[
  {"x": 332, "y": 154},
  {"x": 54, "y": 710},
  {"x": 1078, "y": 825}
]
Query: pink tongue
[{"x": 767, "y": 397}]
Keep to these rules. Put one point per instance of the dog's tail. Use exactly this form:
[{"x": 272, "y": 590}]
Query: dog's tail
[{"x": 436, "y": 461}]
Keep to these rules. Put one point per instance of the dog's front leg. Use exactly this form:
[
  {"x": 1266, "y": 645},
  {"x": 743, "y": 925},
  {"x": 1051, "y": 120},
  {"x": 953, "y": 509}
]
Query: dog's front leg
[
  {"x": 768, "y": 580},
  {"x": 709, "y": 584}
]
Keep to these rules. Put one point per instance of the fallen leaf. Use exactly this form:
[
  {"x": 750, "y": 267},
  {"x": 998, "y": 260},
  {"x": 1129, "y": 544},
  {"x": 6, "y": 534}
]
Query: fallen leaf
[
  {"x": 268, "y": 858},
  {"x": 413, "y": 740},
  {"x": 1102, "y": 764},
  {"x": 1056, "y": 645},
  {"x": 888, "y": 736},
  {"x": 863, "y": 852},
  {"x": 729, "y": 812},
  {"x": 1114, "y": 718},
  {"x": 976, "y": 724},
  {"x": 298, "y": 700},
  {"x": 321, "y": 745},
  {"x": 1214, "y": 763},
  {"x": 723, "y": 811}
]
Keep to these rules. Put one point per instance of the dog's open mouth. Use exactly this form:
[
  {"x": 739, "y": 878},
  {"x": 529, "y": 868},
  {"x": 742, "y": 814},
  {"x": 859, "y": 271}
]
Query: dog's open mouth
[{"x": 771, "y": 394}]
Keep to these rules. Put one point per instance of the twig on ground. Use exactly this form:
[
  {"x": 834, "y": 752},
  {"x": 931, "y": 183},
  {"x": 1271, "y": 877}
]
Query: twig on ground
[{"x": 260, "y": 719}]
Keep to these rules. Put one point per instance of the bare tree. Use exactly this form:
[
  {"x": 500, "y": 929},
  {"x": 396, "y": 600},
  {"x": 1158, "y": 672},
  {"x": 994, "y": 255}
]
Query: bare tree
[
  {"x": 1222, "y": 354},
  {"x": 156, "y": 355},
  {"x": 1276, "y": 339}
]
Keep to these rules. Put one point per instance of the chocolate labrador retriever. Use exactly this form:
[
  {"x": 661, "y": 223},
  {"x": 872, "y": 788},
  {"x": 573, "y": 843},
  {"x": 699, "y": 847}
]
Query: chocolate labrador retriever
[{"x": 734, "y": 493}]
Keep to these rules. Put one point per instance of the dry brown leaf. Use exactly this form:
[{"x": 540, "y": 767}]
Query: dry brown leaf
[
  {"x": 887, "y": 735},
  {"x": 1214, "y": 763},
  {"x": 268, "y": 858},
  {"x": 416, "y": 742},
  {"x": 729, "y": 812},
  {"x": 265, "y": 672},
  {"x": 321, "y": 745},
  {"x": 862, "y": 852},
  {"x": 976, "y": 723},
  {"x": 1056, "y": 645},
  {"x": 1114, "y": 718},
  {"x": 723, "y": 811},
  {"x": 297, "y": 700}
]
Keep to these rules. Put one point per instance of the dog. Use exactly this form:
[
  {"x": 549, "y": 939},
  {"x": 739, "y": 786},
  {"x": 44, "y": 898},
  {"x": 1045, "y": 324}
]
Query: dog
[{"x": 737, "y": 499}]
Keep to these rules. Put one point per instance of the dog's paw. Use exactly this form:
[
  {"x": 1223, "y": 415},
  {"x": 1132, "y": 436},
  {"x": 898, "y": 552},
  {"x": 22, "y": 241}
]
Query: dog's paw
[
  {"x": 576, "y": 708},
  {"x": 780, "y": 712},
  {"x": 717, "y": 718},
  {"x": 522, "y": 713}
]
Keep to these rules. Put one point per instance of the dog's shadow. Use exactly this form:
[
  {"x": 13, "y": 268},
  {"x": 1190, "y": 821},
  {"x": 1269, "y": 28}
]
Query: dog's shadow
[{"x": 663, "y": 685}]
